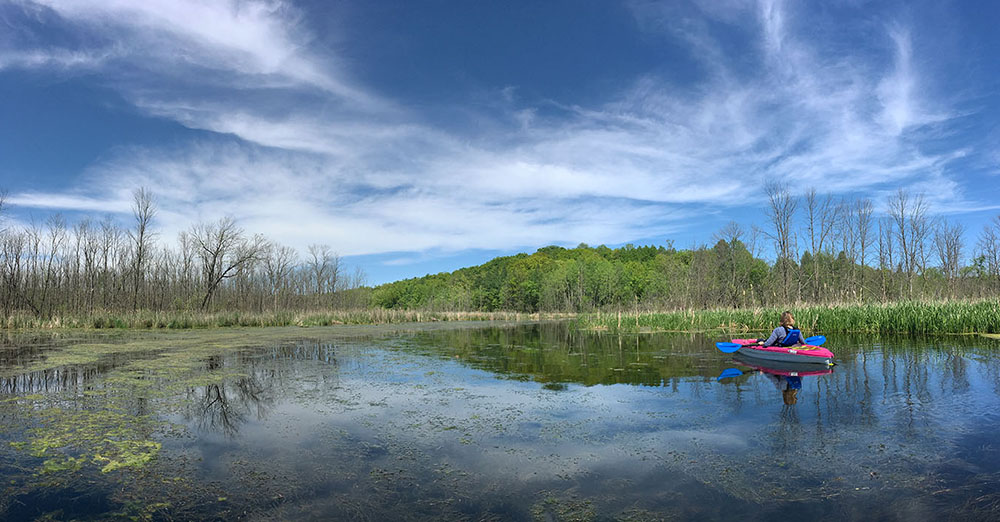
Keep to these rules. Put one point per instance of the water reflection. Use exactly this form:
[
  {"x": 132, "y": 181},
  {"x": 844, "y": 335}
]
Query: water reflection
[
  {"x": 786, "y": 377},
  {"x": 557, "y": 353},
  {"x": 215, "y": 410},
  {"x": 527, "y": 422},
  {"x": 258, "y": 379},
  {"x": 219, "y": 390}
]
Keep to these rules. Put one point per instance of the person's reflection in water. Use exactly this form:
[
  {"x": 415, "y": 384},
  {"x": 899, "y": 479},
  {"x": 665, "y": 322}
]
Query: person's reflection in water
[{"x": 788, "y": 385}]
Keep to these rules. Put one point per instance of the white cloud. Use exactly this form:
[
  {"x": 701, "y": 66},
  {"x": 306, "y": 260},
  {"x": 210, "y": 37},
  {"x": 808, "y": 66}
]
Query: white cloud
[
  {"x": 52, "y": 59},
  {"x": 301, "y": 200},
  {"x": 352, "y": 170},
  {"x": 69, "y": 202},
  {"x": 245, "y": 37}
]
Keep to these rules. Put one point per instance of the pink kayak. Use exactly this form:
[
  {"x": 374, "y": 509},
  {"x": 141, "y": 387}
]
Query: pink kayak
[{"x": 789, "y": 354}]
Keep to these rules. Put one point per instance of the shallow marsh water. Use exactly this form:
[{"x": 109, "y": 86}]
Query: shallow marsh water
[{"x": 490, "y": 422}]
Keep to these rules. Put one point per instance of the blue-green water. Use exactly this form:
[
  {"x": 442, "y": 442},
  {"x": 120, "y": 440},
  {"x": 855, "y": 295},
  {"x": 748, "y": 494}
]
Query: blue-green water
[{"x": 517, "y": 422}]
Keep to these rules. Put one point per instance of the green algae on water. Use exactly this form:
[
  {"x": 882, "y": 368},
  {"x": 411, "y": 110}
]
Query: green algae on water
[{"x": 68, "y": 440}]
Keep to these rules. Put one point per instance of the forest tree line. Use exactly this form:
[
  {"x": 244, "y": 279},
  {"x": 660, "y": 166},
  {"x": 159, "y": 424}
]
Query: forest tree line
[
  {"x": 98, "y": 265},
  {"x": 825, "y": 249}
]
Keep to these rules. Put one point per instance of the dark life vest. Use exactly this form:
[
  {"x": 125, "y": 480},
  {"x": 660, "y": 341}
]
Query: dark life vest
[{"x": 792, "y": 337}]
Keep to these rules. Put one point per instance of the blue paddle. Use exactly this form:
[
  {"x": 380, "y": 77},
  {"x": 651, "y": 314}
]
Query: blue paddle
[
  {"x": 727, "y": 347},
  {"x": 815, "y": 340},
  {"x": 729, "y": 372}
]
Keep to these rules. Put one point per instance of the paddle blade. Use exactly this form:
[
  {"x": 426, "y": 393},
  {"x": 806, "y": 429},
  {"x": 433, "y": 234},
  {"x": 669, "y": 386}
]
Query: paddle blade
[
  {"x": 729, "y": 372},
  {"x": 727, "y": 347},
  {"x": 816, "y": 340}
]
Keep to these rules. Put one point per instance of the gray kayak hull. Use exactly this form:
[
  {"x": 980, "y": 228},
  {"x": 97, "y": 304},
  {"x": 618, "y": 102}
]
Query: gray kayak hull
[{"x": 764, "y": 355}]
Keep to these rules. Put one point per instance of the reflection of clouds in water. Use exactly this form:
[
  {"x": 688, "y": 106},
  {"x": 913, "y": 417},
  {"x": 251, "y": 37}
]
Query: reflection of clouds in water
[
  {"x": 428, "y": 418},
  {"x": 507, "y": 430},
  {"x": 581, "y": 429},
  {"x": 408, "y": 423}
]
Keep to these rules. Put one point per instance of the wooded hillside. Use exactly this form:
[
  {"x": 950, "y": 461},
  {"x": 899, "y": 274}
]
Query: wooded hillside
[{"x": 825, "y": 250}]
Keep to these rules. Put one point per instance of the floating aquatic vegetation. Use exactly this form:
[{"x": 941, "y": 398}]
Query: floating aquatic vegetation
[
  {"x": 68, "y": 440},
  {"x": 553, "y": 507}
]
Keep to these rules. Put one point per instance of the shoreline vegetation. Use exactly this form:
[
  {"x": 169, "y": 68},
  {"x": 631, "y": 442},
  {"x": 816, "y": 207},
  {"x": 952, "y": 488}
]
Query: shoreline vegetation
[
  {"x": 841, "y": 270},
  {"x": 941, "y": 317},
  {"x": 159, "y": 320},
  {"x": 918, "y": 318}
]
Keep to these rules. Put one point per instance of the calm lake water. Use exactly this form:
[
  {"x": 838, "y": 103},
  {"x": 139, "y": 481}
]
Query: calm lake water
[{"x": 480, "y": 422}]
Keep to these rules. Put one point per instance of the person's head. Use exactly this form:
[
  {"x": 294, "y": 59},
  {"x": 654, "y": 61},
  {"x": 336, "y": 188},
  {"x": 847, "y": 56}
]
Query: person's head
[
  {"x": 787, "y": 319},
  {"x": 790, "y": 396}
]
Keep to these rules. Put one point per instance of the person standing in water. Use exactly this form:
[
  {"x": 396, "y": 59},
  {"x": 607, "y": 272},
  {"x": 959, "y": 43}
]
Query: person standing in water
[{"x": 785, "y": 334}]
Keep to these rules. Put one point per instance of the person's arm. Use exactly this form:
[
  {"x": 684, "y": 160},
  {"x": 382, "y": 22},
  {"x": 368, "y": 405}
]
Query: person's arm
[{"x": 774, "y": 336}]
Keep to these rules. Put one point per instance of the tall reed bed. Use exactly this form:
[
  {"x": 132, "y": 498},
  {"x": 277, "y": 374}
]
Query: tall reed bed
[
  {"x": 182, "y": 320},
  {"x": 906, "y": 317}
]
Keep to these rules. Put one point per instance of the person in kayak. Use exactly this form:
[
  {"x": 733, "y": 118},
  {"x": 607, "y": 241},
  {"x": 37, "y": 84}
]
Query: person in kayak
[{"x": 785, "y": 334}]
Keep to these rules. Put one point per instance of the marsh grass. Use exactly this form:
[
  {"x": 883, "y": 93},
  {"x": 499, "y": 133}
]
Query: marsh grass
[
  {"x": 189, "y": 320},
  {"x": 946, "y": 317},
  {"x": 915, "y": 317}
]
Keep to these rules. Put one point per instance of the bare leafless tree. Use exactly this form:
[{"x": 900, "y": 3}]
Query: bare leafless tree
[
  {"x": 909, "y": 214},
  {"x": 731, "y": 232},
  {"x": 320, "y": 257},
  {"x": 59, "y": 267},
  {"x": 821, "y": 218},
  {"x": 754, "y": 240},
  {"x": 56, "y": 225},
  {"x": 863, "y": 209},
  {"x": 187, "y": 254},
  {"x": 224, "y": 252},
  {"x": 899, "y": 207},
  {"x": 780, "y": 211},
  {"x": 988, "y": 248},
  {"x": 110, "y": 247},
  {"x": 14, "y": 250},
  {"x": 886, "y": 258},
  {"x": 324, "y": 267},
  {"x": 143, "y": 212},
  {"x": 920, "y": 232},
  {"x": 279, "y": 263},
  {"x": 948, "y": 245}
]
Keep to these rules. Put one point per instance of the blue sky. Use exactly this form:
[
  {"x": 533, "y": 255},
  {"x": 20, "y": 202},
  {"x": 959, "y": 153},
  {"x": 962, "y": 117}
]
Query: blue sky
[{"x": 417, "y": 137}]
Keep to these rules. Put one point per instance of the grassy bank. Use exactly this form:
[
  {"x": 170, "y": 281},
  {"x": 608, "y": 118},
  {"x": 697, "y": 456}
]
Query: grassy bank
[
  {"x": 981, "y": 317},
  {"x": 186, "y": 320},
  {"x": 909, "y": 318}
]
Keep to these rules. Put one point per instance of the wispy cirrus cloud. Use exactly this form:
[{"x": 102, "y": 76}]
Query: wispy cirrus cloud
[
  {"x": 53, "y": 59},
  {"x": 303, "y": 199},
  {"x": 322, "y": 159},
  {"x": 70, "y": 202},
  {"x": 255, "y": 42},
  {"x": 811, "y": 116}
]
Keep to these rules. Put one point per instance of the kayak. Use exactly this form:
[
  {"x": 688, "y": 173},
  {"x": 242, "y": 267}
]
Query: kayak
[
  {"x": 804, "y": 354},
  {"x": 795, "y": 369}
]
